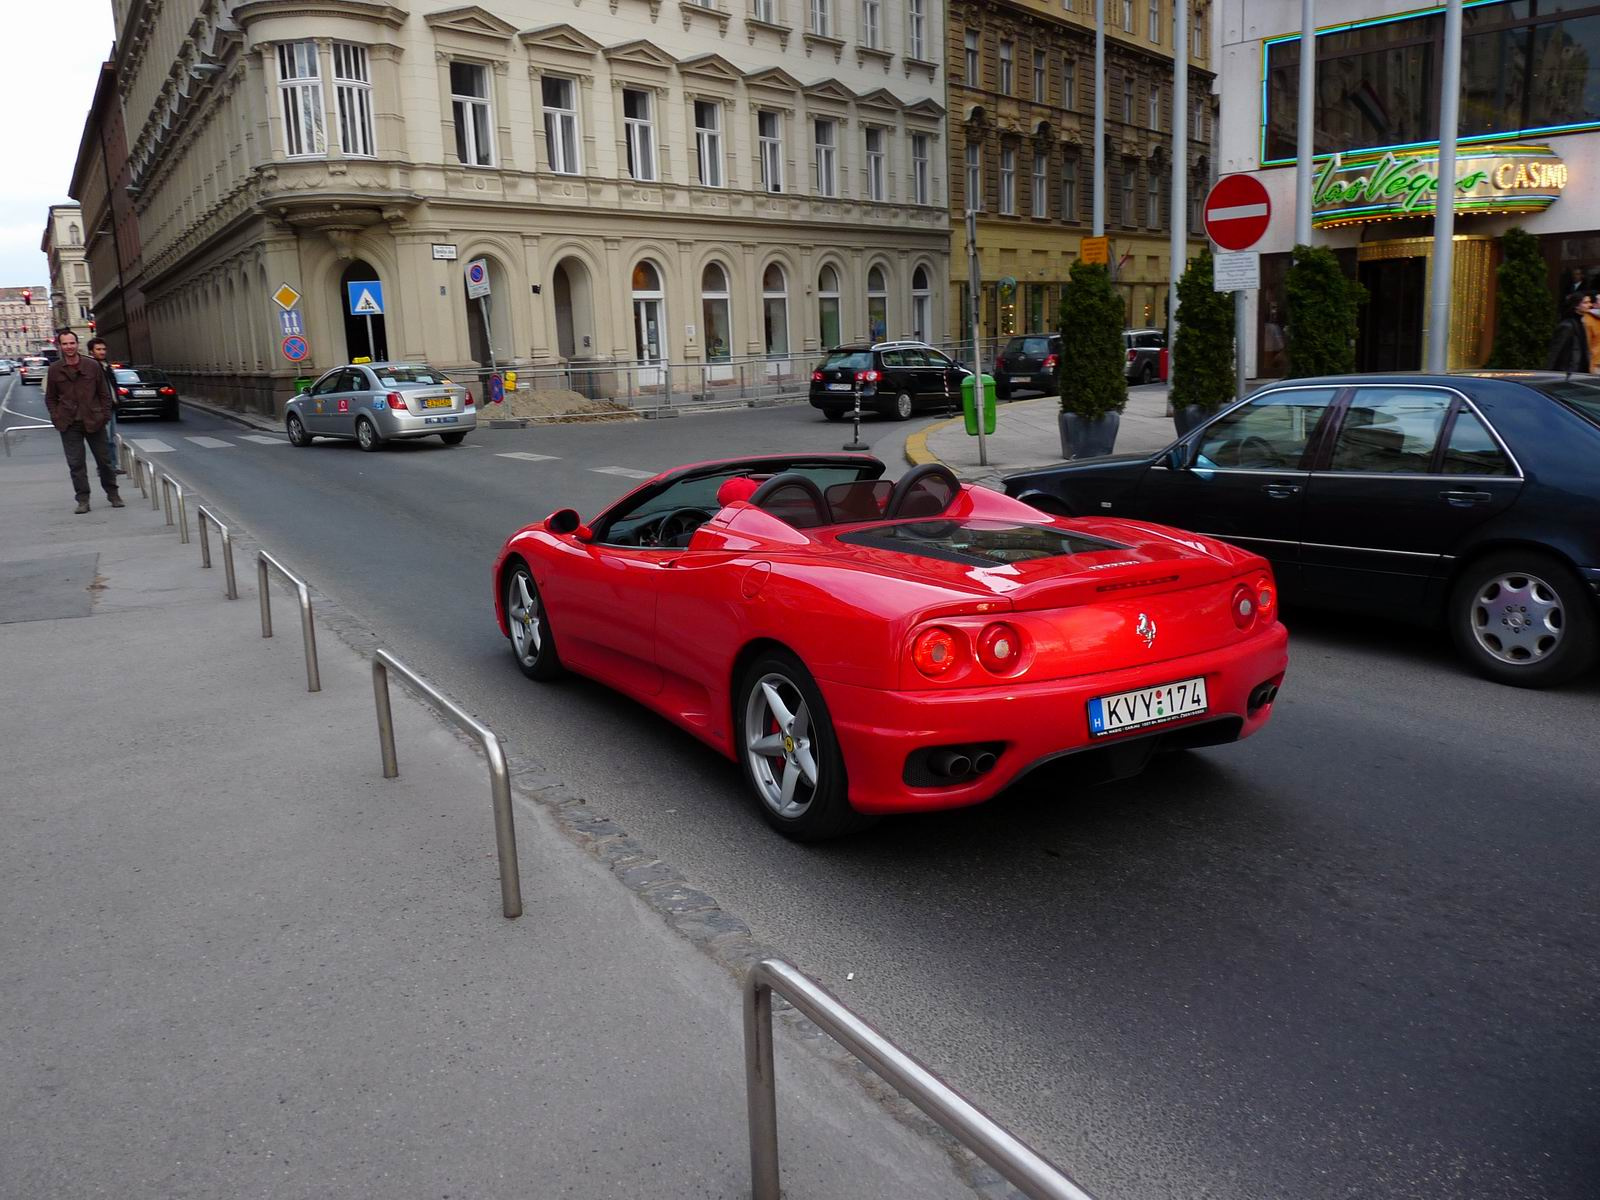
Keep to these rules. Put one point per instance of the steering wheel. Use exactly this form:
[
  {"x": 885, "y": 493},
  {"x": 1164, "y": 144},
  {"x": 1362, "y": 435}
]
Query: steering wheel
[
  {"x": 680, "y": 523},
  {"x": 1255, "y": 451}
]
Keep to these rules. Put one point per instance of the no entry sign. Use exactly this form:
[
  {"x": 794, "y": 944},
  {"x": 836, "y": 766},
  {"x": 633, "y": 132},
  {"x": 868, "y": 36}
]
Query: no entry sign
[{"x": 1237, "y": 212}]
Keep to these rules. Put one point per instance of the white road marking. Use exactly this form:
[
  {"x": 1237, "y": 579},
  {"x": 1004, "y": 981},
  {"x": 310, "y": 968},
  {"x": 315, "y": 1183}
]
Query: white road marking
[
  {"x": 210, "y": 443},
  {"x": 263, "y": 439},
  {"x": 525, "y": 456},
  {"x": 625, "y": 472},
  {"x": 151, "y": 446}
]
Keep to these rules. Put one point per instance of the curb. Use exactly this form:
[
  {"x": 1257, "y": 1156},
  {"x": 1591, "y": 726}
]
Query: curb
[
  {"x": 248, "y": 420},
  {"x": 917, "y": 452}
]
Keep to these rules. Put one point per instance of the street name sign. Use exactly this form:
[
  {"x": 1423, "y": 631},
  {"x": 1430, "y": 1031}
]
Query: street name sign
[
  {"x": 1237, "y": 212},
  {"x": 366, "y": 298},
  {"x": 444, "y": 251},
  {"x": 1236, "y": 270}
]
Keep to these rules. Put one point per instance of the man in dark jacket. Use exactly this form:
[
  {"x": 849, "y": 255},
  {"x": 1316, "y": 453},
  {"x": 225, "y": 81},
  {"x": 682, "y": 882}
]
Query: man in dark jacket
[
  {"x": 1569, "y": 348},
  {"x": 79, "y": 400}
]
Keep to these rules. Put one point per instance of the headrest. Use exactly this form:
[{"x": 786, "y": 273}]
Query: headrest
[{"x": 740, "y": 487}]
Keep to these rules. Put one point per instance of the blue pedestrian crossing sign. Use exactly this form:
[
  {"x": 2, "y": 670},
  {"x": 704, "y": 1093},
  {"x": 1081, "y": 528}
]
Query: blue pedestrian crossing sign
[{"x": 366, "y": 298}]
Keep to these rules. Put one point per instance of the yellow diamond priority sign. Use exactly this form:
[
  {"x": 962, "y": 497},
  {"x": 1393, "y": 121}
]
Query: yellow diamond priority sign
[{"x": 286, "y": 297}]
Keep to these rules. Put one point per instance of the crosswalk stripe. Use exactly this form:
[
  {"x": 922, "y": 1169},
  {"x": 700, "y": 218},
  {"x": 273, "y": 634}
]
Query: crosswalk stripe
[
  {"x": 151, "y": 446},
  {"x": 262, "y": 439},
  {"x": 526, "y": 456},
  {"x": 210, "y": 443},
  {"x": 625, "y": 472}
]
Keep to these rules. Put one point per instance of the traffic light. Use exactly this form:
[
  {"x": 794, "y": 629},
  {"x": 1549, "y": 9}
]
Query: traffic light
[
  {"x": 27, "y": 295},
  {"x": 91, "y": 324}
]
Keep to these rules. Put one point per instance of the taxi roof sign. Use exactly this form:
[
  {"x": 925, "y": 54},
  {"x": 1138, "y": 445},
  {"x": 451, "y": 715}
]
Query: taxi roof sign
[
  {"x": 285, "y": 297},
  {"x": 364, "y": 358}
]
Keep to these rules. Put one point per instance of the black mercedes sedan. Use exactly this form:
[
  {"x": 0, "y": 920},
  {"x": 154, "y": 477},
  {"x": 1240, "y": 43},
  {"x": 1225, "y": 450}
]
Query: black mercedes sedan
[{"x": 1470, "y": 499}]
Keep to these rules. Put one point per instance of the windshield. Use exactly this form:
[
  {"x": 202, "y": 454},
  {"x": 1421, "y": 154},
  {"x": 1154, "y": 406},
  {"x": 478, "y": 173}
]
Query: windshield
[
  {"x": 700, "y": 492},
  {"x": 140, "y": 375},
  {"x": 1582, "y": 394},
  {"x": 400, "y": 374},
  {"x": 851, "y": 360},
  {"x": 979, "y": 543},
  {"x": 1027, "y": 345}
]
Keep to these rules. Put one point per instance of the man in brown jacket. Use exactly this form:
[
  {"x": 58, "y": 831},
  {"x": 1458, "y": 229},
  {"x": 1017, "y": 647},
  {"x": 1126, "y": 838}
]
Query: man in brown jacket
[{"x": 79, "y": 401}]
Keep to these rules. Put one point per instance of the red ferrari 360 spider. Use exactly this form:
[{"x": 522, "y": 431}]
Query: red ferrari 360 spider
[{"x": 866, "y": 647}]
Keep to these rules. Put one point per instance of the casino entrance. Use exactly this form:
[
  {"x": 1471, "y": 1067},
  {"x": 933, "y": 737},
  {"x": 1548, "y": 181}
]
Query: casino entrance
[{"x": 1394, "y": 321}]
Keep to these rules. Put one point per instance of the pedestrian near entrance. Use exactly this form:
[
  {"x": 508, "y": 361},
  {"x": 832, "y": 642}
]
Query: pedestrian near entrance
[
  {"x": 79, "y": 400},
  {"x": 100, "y": 353},
  {"x": 1569, "y": 348},
  {"x": 1590, "y": 308}
]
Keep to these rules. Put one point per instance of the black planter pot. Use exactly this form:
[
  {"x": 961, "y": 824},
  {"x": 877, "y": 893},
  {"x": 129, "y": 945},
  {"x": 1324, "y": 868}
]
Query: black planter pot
[
  {"x": 1187, "y": 417},
  {"x": 1087, "y": 437}
]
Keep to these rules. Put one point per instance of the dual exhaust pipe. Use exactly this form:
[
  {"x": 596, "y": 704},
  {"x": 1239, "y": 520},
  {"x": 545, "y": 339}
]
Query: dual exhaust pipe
[
  {"x": 1262, "y": 695},
  {"x": 956, "y": 763}
]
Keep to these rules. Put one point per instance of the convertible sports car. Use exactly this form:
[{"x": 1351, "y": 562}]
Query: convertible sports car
[{"x": 866, "y": 647}]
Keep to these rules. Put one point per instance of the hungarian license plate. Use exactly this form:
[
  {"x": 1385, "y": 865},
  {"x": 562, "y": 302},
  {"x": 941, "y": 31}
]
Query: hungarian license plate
[
  {"x": 1147, "y": 706},
  {"x": 838, "y": 387},
  {"x": 436, "y": 402},
  {"x": 143, "y": 392}
]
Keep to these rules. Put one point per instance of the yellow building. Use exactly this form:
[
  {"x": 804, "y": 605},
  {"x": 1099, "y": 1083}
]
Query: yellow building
[{"x": 1021, "y": 108}]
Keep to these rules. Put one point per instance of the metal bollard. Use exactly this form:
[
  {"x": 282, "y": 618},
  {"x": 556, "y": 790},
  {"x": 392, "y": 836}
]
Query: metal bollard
[
  {"x": 150, "y": 478},
  {"x": 169, "y": 485},
  {"x": 308, "y": 631},
  {"x": 202, "y": 515}
]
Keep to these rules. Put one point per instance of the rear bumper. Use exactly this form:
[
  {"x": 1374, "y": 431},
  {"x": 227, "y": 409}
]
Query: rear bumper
[
  {"x": 394, "y": 424},
  {"x": 1043, "y": 381},
  {"x": 146, "y": 408},
  {"x": 879, "y": 730}
]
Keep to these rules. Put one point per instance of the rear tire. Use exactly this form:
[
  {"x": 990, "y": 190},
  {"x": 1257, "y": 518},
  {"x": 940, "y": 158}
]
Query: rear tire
[
  {"x": 367, "y": 435},
  {"x": 775, "y": 754},
  {"x": 1002, "y": 391},
  {"x": 533, "y": 644},
  {"x": 904, "y": 406},
  {"x": 1148, "y": 374},
  {"x": 834, "y": 414},
  {"x": 1521, "y": 617},
  {"x": 453, "y": 439},
  {"x": 296, "y": 430}
]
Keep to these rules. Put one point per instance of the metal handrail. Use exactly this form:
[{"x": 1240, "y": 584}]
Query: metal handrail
[
  {"x": 505, "y": 833},
  {"x": 307, "y": 630},
  {"x": 5, "y": 435},
  {"x": 202, "y": 515},
  {"x": 168, "y": 486},
  {"x": 150, "y": 478},
  {"x": 1022, "y": 1166}
]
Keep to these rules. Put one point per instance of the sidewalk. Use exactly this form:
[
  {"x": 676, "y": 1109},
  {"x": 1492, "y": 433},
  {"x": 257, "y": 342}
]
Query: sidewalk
[
  {"x": 1026, "y": 436},
  {"x": 241, "y": 963}
]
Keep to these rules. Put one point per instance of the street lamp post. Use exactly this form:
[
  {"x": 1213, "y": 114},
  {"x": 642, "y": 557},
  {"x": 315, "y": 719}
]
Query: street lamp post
[
  {"x": 1305, "y": 122},
  {"x": 1099, "y": 118},
  {"x": 1444, "y": 219},
  {"x": 1179, "y": 251}
]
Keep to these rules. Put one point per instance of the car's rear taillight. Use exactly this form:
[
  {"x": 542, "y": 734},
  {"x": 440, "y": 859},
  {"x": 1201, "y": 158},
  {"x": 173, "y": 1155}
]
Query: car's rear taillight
[
  {"x": 1243, "y": 607},
  {"x": 1000, "y": 362},
  {"x": 396, "y": 400},
  {"x": 1049, "y": 363},
  {"x": 169, "y": 391},
  {"x": 1130, "y": 355},
  {"x": 936, "y": 651},
  {"x": 1266, "y": 598},
  {"x": 469, "y": 400},
  {"x": 868, "y": 376},
  {"x": 999, "y": 648},
  {"x": 122, "y": 391},
  {"x": 816, "y": 377}
]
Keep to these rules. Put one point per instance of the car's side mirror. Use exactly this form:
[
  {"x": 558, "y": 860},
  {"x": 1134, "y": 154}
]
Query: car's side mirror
[
  {"x": 566, "y": 520},
  {"x": 1178, "y": 456}
]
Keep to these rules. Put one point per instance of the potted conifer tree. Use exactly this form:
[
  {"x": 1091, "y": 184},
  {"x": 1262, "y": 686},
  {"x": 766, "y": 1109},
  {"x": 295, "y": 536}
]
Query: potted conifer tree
[
  {"x": 1093, "y": 388},
  {"x": 1202, "y": 369}
]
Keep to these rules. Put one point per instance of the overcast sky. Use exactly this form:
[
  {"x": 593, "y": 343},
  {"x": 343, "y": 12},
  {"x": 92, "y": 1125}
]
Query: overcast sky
[{"x": 50, "y": 53}]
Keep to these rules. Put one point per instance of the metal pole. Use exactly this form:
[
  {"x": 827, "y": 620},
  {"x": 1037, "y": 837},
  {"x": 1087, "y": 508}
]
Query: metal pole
[
  {"x": 1239, "y": 383},
  {"x": 1179, "y": 251},
  {"x": 974, "y": 279},
  {"x": 308, "y": 634},
  {"x": 266, "y": 597},
  {"x": 372, "y": 346},
  {"x": 1305, "y": 122},
  {"x": 855, "y": 441},
  {"x": 1099, "y": 226},
  {"x": 761, "y": 1089},
  {"x": 380, "y": 697},
  {"x": 488, "y": 333},
  {"x": 1444, "y": 220}
]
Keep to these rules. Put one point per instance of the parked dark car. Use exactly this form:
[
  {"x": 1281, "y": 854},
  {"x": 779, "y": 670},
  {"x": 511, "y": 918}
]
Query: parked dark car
[
  {"x": 1142, "y": 354},
  {"x": 896, "y": 379},
  {"x": 1470, "y": 499},
  {"x": 1027, "y": 363},
  {"x": 145, "y": 392}
]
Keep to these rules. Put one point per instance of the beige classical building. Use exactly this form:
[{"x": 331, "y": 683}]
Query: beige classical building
[
  {"x": 25, "y": 320},
  {"x": 658, "y": 182},
  {"x": 71, "y": 297}
]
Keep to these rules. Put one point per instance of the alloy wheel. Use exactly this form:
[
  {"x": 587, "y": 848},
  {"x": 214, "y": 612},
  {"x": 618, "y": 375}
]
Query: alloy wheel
[
  {"x": 366, "y": 435},
  {"x": 778, "y": 745},
  {"x": 903, "y": 406},
  {"x": 1517, "y": 618},
  {"x": 526, "y": 619}
]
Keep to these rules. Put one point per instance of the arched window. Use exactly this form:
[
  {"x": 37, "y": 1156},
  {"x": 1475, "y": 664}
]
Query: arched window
[
  {"x": 775, "y": 310},
  {"x": 74, "y": 236},
  {"x": 649, "y": 321},
  {"x": 877, "y": 305},
  {"x": 828, "y": 307},
  {"x": 714, "y": 313},
  {"x": 921, "y": 305}
]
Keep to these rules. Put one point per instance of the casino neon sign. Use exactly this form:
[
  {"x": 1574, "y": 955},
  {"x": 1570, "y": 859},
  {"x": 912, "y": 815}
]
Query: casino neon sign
[{"x": 1397, "y": 184}]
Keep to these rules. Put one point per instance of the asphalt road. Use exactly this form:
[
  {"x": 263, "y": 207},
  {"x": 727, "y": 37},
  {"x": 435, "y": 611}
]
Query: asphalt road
[{"x": 1355, "y": 955}]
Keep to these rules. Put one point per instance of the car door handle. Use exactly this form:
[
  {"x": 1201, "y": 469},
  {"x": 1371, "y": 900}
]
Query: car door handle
[
  {"x": 1465, "y": 499},
  {"x": 1281, "y": 491}
]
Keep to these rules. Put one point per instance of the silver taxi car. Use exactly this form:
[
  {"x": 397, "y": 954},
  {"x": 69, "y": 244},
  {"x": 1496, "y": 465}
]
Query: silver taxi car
[{"x": 375, "y": 402}]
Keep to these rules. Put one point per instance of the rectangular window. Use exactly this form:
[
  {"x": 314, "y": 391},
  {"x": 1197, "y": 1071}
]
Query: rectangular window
[
  {"x": 920, "y": 190},
  {"x": 1197, "y": 35},
  {"x": 766, "y": 10},
  {"x": 1155, "y": 108},
  {"x": 1127, "y": 16},
  {"x": 1041, "y": 185},
  {"x": 1069, "y": 83},
  {"x": 872, "y": 24},
  {"x": 1152, "y": 198},
  {"x": 1041, "y": 77},
  {"x": 1129, "y": 172},
  {"x": 970, "y": 46},
  {"x": 1008, "y": 180},
  {"x": 1155, "y": 19},
  {"x": 877, "y": 165},
  {"x": 561, "y": 124},
  {"x": 974, "y": 177},
  {"x": 1127, "y": 101},
  {"x": 827, "y": 157},
  {"x": 708, "y": 141},
  {"x": 636, "y": 119},
  {"x": 769, "y": 133},
  {"x": 1006, "y": 68},
  {"x": 352, "y": 83},
  {"x": 1069, "y": 190},
  {"x": 300, "y": 97},
  {"x": 469, "y": 105},
  {"x": 1200, "y": 121},
  {"x": 822, "y": 18},
  {"x": 917, "y": 30}
]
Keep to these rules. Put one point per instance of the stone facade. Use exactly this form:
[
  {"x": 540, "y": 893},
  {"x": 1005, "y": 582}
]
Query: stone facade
[
  {"x": 24, "y": 326},
  {"x": 71, "y": 295},
  {"x": 658, "y": 180}
]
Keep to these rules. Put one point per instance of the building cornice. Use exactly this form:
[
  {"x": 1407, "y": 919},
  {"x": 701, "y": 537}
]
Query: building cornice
[{"x": 251, "y": 11}]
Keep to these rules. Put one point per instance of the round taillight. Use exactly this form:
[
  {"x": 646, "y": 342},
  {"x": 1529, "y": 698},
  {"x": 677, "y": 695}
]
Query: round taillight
[
  {"x": 999, "y": 648},
  {"x": 1266, "y": 597},
  {"x": 934, "y": 651},
  {"x": 1244, "y": 607},
  {"x": 816, "y": 377}
]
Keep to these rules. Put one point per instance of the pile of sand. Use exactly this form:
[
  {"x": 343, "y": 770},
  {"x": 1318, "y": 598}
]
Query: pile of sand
[{"x": 555, "y": 404}]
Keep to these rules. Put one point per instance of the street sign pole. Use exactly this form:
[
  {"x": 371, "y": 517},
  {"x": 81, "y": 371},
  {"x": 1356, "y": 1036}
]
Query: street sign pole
[
  {"x": 1238, "y": 344},
  {"x": 978, "y": 392},
  {"x": 372, "y": 346},
  {"x": 488, "y": 334},
  {"x": 1237, "y": 211}
]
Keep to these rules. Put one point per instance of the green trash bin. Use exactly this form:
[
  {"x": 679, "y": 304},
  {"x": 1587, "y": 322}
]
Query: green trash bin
[
  {"x": 969, "y": 410},
  {"x": 303, "y": 385}
]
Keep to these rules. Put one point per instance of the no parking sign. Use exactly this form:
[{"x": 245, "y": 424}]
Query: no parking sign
[
  {"x": 295, "y": 349},
  {"x": 477, "y": 279}
]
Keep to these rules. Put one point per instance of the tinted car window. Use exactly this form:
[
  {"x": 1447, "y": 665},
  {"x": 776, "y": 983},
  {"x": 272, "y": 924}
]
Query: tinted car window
[
  {"x": 396, "y": 374},
  {"x": 1269, "y": 433},
  {"x": 1390, "y": 431},
  {"x": 1028, "y": 345},
  {"x": 140, "y": 375},
  {"x": 852, "y": 360},
  {"x": 355, "y": 380},
  {"x": 1582, "y": 395},
  {"x": 894, "y": 358},
  {"x": 1471, "y": 450},
  {"x": 328, "y": 383}
]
